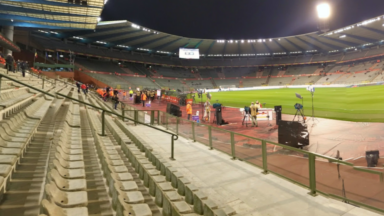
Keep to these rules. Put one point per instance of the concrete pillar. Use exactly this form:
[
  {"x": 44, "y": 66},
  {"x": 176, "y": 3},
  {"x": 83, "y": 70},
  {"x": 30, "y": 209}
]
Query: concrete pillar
[{"x": 7, "y": 31}]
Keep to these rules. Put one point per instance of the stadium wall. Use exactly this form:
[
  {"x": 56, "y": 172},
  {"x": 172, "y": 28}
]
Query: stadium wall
[{"x": 84, "y": 78}]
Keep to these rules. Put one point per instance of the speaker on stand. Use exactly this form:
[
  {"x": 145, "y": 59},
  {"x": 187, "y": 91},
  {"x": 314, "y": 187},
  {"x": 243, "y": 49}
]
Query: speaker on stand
[{"x": 278, "y": 110}]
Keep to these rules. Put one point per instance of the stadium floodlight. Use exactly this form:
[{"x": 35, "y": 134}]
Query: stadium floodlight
[
  {"x": 98, "y": 19},
  {"x": 323, "y": 10}
]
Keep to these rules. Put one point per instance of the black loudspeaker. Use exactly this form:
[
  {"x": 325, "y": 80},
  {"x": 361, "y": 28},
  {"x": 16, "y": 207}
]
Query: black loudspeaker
[
  {"x": 278, "y": 110},
  {"x": 137, "y": 99},
  {"x": 174, "y": 110},
  {"x": 218, "y": 116},
  {"x": 294, "y": 134},
  {"x": 372, "y": 158}
]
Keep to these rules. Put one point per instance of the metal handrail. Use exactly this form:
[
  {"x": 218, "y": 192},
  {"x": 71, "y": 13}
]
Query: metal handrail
[
  {"x": 174, "y": 136},
  {"x": 311, "y": 158}
]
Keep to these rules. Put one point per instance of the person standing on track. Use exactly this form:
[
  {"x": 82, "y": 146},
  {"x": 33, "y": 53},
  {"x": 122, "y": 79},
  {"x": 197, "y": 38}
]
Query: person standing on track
[
  {"x": 189, "y": 110},
  {"x": 143, "y": 98},
  {"x": 254, "y": 111}
]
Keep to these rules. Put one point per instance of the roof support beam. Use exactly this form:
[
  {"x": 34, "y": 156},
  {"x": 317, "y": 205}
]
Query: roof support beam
[
  {"x": 267, "y": 47},
  {"x": 347, "y": 43},
  {"x": 225, "y": 46},
  {"x": 176, "y": 50},
  {"x": 311, "y": 45},
  {"x": 325, "y": 43},
  {"x": 150, "y": 41},
  {"x": 166, "y": 44},
  {"x": 364, "y": 39},
  {"x": 373, "y": 30},
  {"x": 253, "y": 48},
  {"x": 209, "y": 48},
  {"x": 124, "y": 41},
  {"x": 198, "y": 44},
  {"x": 295, "y": 45},
  {"x": 281, "y": 46},
  {"x": 108, "y": 36}
]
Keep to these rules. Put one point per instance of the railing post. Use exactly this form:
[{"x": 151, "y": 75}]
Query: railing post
[
  {"x": 0, "y": 82},
  {"x": 103, "y": 123},
  {"x": 264, "y": 155},
  {"x": 158, "y": 117},
  {"x": 210, "y": 137},
  {"x": 43, "y": 84},
  {"x": 312, "y": 174},
  {"x": 135, "y": 117},
  {"x": 166, "y": 120},
  {"x": 172, "y": 148},
  {"x": 233, "y": 146},
  {"x": 193, "y": 131},
  {"x": 177, "y": 125},
  {"x": 152, "y": 117},
  {"x": 123, "y": 113}
]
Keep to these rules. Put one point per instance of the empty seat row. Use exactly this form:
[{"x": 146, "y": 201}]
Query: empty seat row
[
  {"x": 172, "y": 191},
  {"x": 126, "y": 199},
  {"x": 65, "y": 190},
  {"x": 16, "y": 134}
]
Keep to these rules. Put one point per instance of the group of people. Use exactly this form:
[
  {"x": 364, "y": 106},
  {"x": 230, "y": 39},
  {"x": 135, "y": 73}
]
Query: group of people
[
  {"x": 146, "y": 94},
  {"x": 84, "y": 87},
  {"x": 108, "y": 93},
  {"x": 12, "y": 65}
]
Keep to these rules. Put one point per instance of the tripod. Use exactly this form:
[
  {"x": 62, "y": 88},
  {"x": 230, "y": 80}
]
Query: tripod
[
  {"x": 313, "y": 110},
  {"x": 298, "y": 114}
]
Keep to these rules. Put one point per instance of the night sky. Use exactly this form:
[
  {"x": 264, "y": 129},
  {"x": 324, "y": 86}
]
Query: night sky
[{"x": 237, "y": 19}]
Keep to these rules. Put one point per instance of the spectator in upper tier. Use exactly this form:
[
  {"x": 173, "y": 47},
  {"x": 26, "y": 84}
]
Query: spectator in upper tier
[
  {"x": 9, "y": 62},
  {"x": 24, "y": 66},
  {"x": 84, "y": 88},
  {"x": 87, "y": 87},
  {"x": 78, "y": 86},
  {"x": 115, "y": 100}
]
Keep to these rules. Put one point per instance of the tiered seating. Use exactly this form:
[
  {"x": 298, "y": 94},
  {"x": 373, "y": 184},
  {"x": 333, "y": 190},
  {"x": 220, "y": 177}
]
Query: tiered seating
[
  {"x": 173, "y": 84},
  {"x": 328, "y": 79},
  {"x": 303, "y": 80},
  {"x": 124, "y": 191},
  {"x": 199, "y": 84},
  {"x": 280, "y": 81},
  {"x": 15, "y": 135},
  {"x": 254, "y": 82},
  {"x": 66, "y": 185},
  {"x": 227, "y": 82}
]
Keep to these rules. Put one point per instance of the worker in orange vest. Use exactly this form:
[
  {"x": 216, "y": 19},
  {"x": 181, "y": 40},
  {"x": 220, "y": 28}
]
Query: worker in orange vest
[
  {"x": 189, "y": 109},
  {"x": 143, "y": 98},
  {"x": 124, "y": 94}
]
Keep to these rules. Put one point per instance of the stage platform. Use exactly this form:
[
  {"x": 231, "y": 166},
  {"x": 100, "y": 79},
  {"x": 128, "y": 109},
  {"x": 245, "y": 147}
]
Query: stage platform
[{"x": 327, "y": 136}]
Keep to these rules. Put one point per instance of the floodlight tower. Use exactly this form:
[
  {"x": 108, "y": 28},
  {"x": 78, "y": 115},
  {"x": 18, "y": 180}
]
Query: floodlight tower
[{"x": 323, "y": 13}]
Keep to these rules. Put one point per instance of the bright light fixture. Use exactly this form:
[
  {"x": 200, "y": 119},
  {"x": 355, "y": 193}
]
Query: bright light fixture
[
  {"x": 323, "y": 10},
  {"x": 98, "y": 19}
]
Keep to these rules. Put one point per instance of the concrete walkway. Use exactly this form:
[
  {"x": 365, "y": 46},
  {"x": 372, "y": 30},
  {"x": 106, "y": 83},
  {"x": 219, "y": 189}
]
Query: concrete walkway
[{"x": 240, "y": 185}]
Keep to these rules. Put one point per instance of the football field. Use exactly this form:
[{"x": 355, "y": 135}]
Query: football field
[{"x": 362, "y": 104}]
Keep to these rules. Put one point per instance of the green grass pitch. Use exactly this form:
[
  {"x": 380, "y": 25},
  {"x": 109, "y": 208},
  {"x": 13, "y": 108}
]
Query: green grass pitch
[{"x": 362, "y": 104}]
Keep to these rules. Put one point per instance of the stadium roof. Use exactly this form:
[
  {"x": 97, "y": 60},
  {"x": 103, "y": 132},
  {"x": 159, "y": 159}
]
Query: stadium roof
[
  {"x": 51, "y": 14},
  {"x": 129, "y": 36}
]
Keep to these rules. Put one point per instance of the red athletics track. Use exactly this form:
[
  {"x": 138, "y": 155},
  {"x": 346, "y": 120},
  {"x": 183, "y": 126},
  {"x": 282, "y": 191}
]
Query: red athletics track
[{"x": 327, "y": 136}]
